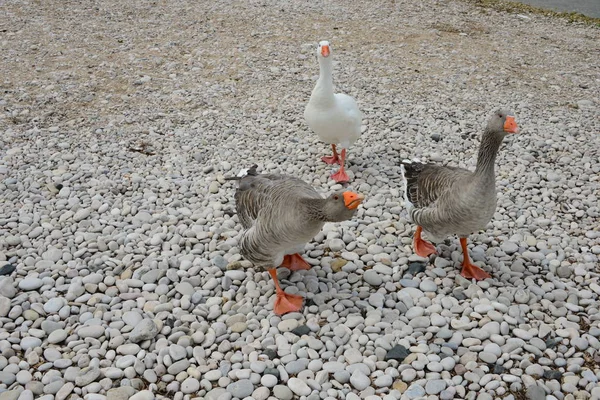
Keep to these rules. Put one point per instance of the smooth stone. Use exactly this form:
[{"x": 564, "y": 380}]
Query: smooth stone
[
  {"x": 53, "y": 305},
  {"x": 535, "y": 392},
  {"x": 414, "y": 391},
  {"x": 428, "y": 286},
  {"x": 144, "y": 330},
  {"x": 359, "y": 380},
  {"x": 190, "y": 385},
  {"x": 282, "y": 392},
  {"x": 87, "y": 376},
  {"x": 30, "y": 342},
  {"x": 269, "y": 380},
  {"x": 30, "y": 283},
  {"x": 384, "y": 381},
  {"x": 299, "y": 387},
  {"x": 435, "y": 386},
  {"x": 120, "y": 393},
  {"x": 143, "y": 395},
  {"x": 92, "y": 331},
  {"x": 241, "y": 388},
  {"x": 398, "y": 352},
  {"x": 372, "y": 278}
]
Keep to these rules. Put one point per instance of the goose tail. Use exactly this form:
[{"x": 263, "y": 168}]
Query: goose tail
[
  {"x": 243, "y": 172},
  {"x": 410, "y": 170}
]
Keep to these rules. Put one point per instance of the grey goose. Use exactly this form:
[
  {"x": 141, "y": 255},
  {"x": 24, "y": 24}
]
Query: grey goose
[
  {"x": 280, "y": 214},
  {"x": 445, "y": 200}
]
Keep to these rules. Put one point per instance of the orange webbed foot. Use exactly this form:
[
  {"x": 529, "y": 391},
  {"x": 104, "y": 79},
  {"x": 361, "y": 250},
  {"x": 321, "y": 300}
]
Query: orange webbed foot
[
  {"x": 471, "y": 271},
  {"x": 285, "y": 303},
  {"x": 331, "y": 159},
  {"x": 295, "y": 262},
  {"x": 340, "y": 177},
  {"x": 423, "y": 248}
]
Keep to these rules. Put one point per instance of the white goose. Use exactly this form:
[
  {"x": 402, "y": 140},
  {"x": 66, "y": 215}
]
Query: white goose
[{"x": 334, "y": 117}]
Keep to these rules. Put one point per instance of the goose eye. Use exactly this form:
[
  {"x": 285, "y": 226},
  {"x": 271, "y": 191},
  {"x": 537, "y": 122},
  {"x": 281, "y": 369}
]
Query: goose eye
[{"x": 336, "y": 197}]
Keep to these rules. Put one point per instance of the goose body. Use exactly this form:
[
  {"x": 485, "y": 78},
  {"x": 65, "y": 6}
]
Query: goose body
[
  {"x": 452, "y": 201},
  {"x": 334, "y": 117},
  {"x": 335, "y": 122},
  {"x": 444, "y": 200},
  {"x": 280, "y": 214},
  {"x": 274, "y": 226}
]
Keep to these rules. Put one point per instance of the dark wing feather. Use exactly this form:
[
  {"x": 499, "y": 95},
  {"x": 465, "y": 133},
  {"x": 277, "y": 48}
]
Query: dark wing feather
[
  {"x": 255, "y": 193},
  {"x": 426, "y": 182}
]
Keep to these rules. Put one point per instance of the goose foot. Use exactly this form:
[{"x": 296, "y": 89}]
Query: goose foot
[
  {"x": 334, "y": 159},
  {"x": 331, "y": 159},
  {"x": 341, "y": 176},
  {"x": 284, "y": 302},
  {"x": 469, "y": 270},
  {"x": 422, "y": 247},
  {"x": 295, "y": 262}
]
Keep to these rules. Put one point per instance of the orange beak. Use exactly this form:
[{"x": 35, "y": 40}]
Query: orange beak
[
  {"x": 352, "y": 200},
  {"x": 325, "y": 51},
  {"x": 510, "y": 125}
]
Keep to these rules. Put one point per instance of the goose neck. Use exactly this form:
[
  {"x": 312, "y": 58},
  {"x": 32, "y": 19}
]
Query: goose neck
[
  {"x": 488, "y": 150},
  {"x": 323, "y": 92},
  {"x": 314, "y": 209}
]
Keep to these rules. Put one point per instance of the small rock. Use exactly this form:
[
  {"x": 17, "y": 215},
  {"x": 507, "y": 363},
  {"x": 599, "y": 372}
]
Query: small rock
[
  {"x": 241, "y": 388},
  {"x": 398, "y": 352},
  {"x": 535, "y": 392},
  {"x": 144, "y": 330},
  {"x": 7, "y": 269},
  {"x": 299, "y": 387},
  {"x": 416, "y": 267}
]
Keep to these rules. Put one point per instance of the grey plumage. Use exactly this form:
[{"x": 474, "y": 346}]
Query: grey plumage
[
  {"x": 449, "y": 200},
  {"x": 280, "y": 214}
]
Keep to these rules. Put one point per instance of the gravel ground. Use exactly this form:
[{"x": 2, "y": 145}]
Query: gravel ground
[{"x": 119, "y": 121}]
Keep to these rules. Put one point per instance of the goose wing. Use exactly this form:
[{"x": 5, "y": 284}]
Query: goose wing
[
  {"x": 259, "y": 192},
  {"x": 425, "y": 183}
]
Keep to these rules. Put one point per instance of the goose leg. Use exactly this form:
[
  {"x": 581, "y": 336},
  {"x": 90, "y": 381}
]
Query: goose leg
[
  {"x": 469, "y": 270},
  {"x": 334, "y": 159},
  {"x": 295, "y": 262},
  {"x": 284, "y": 302},
  {"x": 422, "y": 247},
  {"x": 341, "y": 176}
]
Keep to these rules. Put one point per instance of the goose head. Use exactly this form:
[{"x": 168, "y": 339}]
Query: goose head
[
  {"x": 324, "y": 49},
  {"x": 501, "y": 123},
  {"x": 341, "y": 206}
]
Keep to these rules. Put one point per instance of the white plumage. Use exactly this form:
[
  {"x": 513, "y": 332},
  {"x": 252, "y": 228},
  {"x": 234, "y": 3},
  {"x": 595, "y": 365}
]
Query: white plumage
[{"x": 334, "y": 117}]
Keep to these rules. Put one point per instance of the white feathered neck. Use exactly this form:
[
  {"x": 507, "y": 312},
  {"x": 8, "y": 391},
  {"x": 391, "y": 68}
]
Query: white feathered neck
[{"x": 322, "y": 95}]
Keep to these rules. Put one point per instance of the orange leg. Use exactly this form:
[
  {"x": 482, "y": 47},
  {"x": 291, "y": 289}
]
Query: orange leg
[
  {"x": 422, "y": 247},
  {"x": 284, "y": 302},
  {"x": 334, "y": 159},
  {"x": 341, "y": 176},
  {"x": 469, "y": 270},
  {"x": 295, "y": 262}
]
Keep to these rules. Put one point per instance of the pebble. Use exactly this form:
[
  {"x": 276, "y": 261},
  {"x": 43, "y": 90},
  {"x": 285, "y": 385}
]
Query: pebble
[
  {"x": 372, "y": 278},
  {"x": 299, "y": 387},
  {"x": 435, "y": 386},
  {"x": 282, "y": 392},
  {"x": 121, "y": 273},
  {"x": 190, "y": 385},
  {"x": 359, "y": 380},
  {"x": 144, "y": 330},
  {"x": 31, "y": 283},
  {"x": 241, "y": 388}
]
